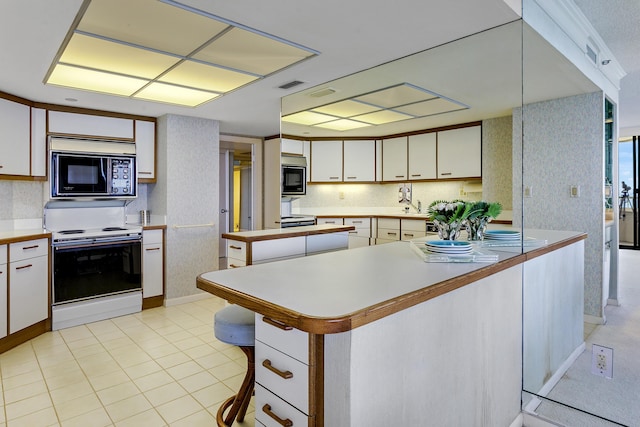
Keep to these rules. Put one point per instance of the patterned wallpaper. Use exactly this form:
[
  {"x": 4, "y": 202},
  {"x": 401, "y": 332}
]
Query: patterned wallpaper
[{"x": 563, "y": 146}]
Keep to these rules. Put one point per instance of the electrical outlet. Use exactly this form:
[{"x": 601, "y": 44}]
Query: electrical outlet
[
  {"x": 528, "y": 192},
  {"x": 574, "y": 191},
  {"x": 341, "y": 195},
  {"x": 602, "y": 361}
]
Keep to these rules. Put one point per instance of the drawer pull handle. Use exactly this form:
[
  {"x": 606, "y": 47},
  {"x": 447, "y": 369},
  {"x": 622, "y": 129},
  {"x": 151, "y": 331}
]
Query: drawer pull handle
[
  {"x": 408, "y": 235},
  {"x": 334, "y": 177},
  {"x": 399, "y": 176},
  {"x": 285, "y": 375},
  {"x": 353, "y": 232},
  {"x": 357, "y": 222},
  {"x": 233, "y": 266},
  {"x": 277, "y": 324},
  {"x": 416, "y": 174},
  {"x": 284, "y": 423},
  {"x": 329, "y": 222},
  {"x": 144, "y": 173},
  {"x": 24, "y": 266},
  {"x": 352, "y": 177},
  {"x": 152, "y": 249},
  {"x": 26, "y": 248},
  {"x": 392, "y": 234},
  {"x": 445, "y": 173},
  {"x": 235, "y": 247}
]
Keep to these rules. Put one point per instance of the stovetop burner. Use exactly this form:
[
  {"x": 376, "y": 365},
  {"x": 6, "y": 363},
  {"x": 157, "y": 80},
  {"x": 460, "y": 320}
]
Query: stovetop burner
[
  {"x": 113, "y": 229},
  {"x": 71, "y": 231}
]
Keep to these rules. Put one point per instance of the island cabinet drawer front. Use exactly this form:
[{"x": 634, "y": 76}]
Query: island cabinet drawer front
[
  {"x": 413, "y": 225},
  {"x": 389, "y": 234},
  {"x": 28, "y": 249},
  {"x": 278, "y": 248},
  {"x": 236, "y": 249},
  {"x": 275, "y": 412},
  {"x": 236, "y": 263},
  {"x": 286, "y": 339},
  {"x": 388, "y": 223},
  {"x": 3, "y": 254},
  {"x": 327, "y": 242},
  {"x": 283, "y": 375}
]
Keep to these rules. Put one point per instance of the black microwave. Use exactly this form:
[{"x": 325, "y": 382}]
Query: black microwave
[
  {"x": 93, "y": 175},
  {"x": 294, "y": 176}
]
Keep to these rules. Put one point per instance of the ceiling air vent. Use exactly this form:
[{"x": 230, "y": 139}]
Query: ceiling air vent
[
  {"x": 290, "y": 84},
  {"x": 322, "y": 92},
  {"x": 592, "y": 55}
]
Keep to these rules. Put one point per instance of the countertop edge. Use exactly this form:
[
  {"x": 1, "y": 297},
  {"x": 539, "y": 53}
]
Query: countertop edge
[
  {"x": 295, "y": 232},
  {"x": 330, "y": 325},
  {"x": 28, "y": 235}
]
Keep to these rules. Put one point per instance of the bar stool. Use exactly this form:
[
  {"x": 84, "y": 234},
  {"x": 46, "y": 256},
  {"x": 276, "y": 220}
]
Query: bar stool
[{"x": 236, "y": 325}]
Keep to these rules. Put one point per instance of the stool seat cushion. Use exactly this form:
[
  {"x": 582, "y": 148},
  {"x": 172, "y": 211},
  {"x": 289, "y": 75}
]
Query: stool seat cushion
[{"x": 235, "y": 325}]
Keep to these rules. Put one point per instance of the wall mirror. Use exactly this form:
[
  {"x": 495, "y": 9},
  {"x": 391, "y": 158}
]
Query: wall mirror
[{"x": 535, "y": 107}]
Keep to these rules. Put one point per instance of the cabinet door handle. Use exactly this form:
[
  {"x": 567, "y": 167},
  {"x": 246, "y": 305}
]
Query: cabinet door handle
[
  {"x": 233, "y": 266},
  {"x": 152, "y": 249},
  {"x": 352, "y": 177},
  {"x": 408, "y": 235},
  {"x": 357, "y": 222},
  {"x": 416, "y": 174},
  {"x": 26, "y": 248},
  {"x": 392, "y": 234},
  {"x": 235, "y": 247},
  {"x": 24, "y": 266},
  {"x": 145, "y": 173},
  {"x": 353, "y": 232},
  {"x": 285, "y": 375},
  {"x": 277, "y": 324},
  {"x": 445, "y": 173},
  {"x": 334, "y": 177},
  {"x": 329, "y": 222},
  {"x": 284, "y": 423},
  {"x": 399, "y": 176}
]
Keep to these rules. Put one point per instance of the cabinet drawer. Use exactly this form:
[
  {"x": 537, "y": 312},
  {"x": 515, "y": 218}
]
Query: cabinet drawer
[
  {"x": 284, "y": 338},
  {"x": 359, "y": 223},
  {"x": 360, "y": 232},
  {"x": 152, "y": 237},
  {"x": 278, "y": 248},
  {"x": 28, "y": 249},
  {"x": 274, "y": 412},
  {"x": 285, "y": 376},
  {"x": 388, "y": 234},
  {"x": 237, "y": 250},
  {"x": 409, "y": 235},
  {"x": 235, "y": 263},
  {"x": 318, "y": 243},
  {"x": 336, "y": 221},
  {"x": 413, "y": 225},
  {"x": 388, "y": 223}
]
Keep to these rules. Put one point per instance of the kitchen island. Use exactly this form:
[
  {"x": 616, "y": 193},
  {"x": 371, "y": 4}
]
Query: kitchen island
[{"x": 387, "y": 339}]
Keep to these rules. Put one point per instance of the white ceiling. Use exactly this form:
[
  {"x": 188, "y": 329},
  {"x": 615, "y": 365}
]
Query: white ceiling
[{"x": 350, "y": 36}]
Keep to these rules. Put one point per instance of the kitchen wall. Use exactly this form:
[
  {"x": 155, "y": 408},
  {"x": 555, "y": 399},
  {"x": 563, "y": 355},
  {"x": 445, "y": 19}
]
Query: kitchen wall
[
  {"x": 564, "y": 146},
  {"x": 21, "y": 199},
  {"x": 383, "y": 198}
]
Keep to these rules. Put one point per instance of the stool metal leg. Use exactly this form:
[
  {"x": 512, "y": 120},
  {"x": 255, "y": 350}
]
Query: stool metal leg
[{"x": 240, "y": 401}]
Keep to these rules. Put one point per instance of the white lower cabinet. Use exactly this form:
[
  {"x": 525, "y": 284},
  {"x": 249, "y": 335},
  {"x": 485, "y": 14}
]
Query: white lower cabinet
[
  {"x": 282, "y": 374},
  {"x": 152, "y": 263},
  {"x": 3, "y": 291},
  {"x": 412, "y": 229},
  {"x": 361, "y": 236},
  {"x": 388, "y": 230},
  {"x": 277, "y": 249},
  {"x": 29, "y": 285},
  {"x": 319, "y": 243}
]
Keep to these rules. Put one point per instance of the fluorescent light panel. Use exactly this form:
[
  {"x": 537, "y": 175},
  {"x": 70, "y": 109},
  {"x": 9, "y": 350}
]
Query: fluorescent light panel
[
  {"x": 400, "y": 102},
  {"x": 178, "y": 56}
]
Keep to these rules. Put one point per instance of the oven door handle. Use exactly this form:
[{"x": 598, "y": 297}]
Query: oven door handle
[{"x": 94, "y": 243}]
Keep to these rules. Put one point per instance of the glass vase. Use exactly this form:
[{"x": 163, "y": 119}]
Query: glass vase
[
  {"x": 448, "y": 230},
  {"x": 476, "y": 228}
]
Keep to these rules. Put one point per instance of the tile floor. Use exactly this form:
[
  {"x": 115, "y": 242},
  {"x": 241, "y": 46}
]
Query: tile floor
[{"x": 160, "y": 367}]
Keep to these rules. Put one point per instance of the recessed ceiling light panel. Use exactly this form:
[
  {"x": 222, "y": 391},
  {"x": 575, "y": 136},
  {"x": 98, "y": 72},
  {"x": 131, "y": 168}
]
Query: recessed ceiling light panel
[{"x": 95, "y": 81}]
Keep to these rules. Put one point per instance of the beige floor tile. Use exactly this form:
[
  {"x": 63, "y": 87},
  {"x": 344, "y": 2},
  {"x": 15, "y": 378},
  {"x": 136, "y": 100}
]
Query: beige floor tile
[
  {"x": 152, "y": 342},
  {"x": 38, "y": 418},
  {"x": 198, "y": 381},
  {"x": 172, "y": 360},
  {"x": 119, "y": 341},
  {"x": 88, "y": 350},
  {"x": 24, "y": 391},
  {"x": 64, "y": 377},
  {"x": 46, "y": 340},
  {"x": 54, "y": 355},
  {"x": 179, "y": 408},
  {"x": 201, "y": 350},
  {"x": 134, "y": 356},
  {"x": 82, "y": 342},
  {"x": 11, "y": 369},
  {"x": 22, "y": 379},
  {"x": 118, "y": 392},
  {"x": 27, "y": 406},
  {"x": 203, "y": 329},
  {"x": 149, "y": 418},
  {"x": 100, "y": 382},
  {"x": 227, "y": 370},
  {"x": 213, "y": 395},
  {"x": 154, "y": 380},
  {"x": 161, "y": 350},
  {"x": 165, "y": 393},
  {"x": 75, "y": 333},
  {"x": 127, "y": 408},
  {"x": 188, "y": 343},
  {"x": 96, "y": 418},
  {"x": 76, "y": 407},
  {"x": 71, "y": 392},
  {"x": 142, "y": 369},
  {"x": 213, "y": 360},
  {"x": 184, "y": 370},
  {"x": 200, "y": 418},
  {"x": 234, "y": 382}
]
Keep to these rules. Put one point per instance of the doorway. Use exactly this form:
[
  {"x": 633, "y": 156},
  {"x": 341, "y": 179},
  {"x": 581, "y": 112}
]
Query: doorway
[{"x": 628, "y": 152}]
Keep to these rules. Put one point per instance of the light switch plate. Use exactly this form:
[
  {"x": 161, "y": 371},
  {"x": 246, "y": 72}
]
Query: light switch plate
[{"x": 574, "y": 191}]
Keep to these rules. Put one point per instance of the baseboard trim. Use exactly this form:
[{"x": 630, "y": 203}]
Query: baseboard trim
[
  {"x": 187, "y": 299},
  {"x": 594, "y": 320},
  {"x": 557, "y": 376}
]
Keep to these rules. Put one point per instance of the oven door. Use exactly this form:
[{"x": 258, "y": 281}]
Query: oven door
[
  {"x": 79, "y": 175},
  {"x": 88, "y": 270}
]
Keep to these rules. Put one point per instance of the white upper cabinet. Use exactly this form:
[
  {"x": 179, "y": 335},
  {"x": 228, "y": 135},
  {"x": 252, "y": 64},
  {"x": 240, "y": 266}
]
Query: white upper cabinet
[
  {"x": 359, "y": 161},
  {"x": 89, "y": 125},
  {"x": 326, "y": 161},
  {"x": 292, "y": 146},
  {"x": 460, "y": 153},
  {"x": 422, "y": 156},
  {"x": 146, "y": 150},
  {"x": 15, "y": 138},
  {"x": 38, "y": 142},
  {"x": 394, "y": 159}
]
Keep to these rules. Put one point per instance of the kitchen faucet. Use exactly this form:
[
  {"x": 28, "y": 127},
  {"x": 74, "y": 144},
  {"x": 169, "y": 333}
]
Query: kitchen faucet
[{"x": 417, "y": 208}]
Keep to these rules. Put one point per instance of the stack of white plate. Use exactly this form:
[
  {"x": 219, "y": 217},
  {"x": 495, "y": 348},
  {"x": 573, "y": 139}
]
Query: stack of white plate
[
  {"x": 502, "y": 235},
  {"x": 449, "y": 247}
]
